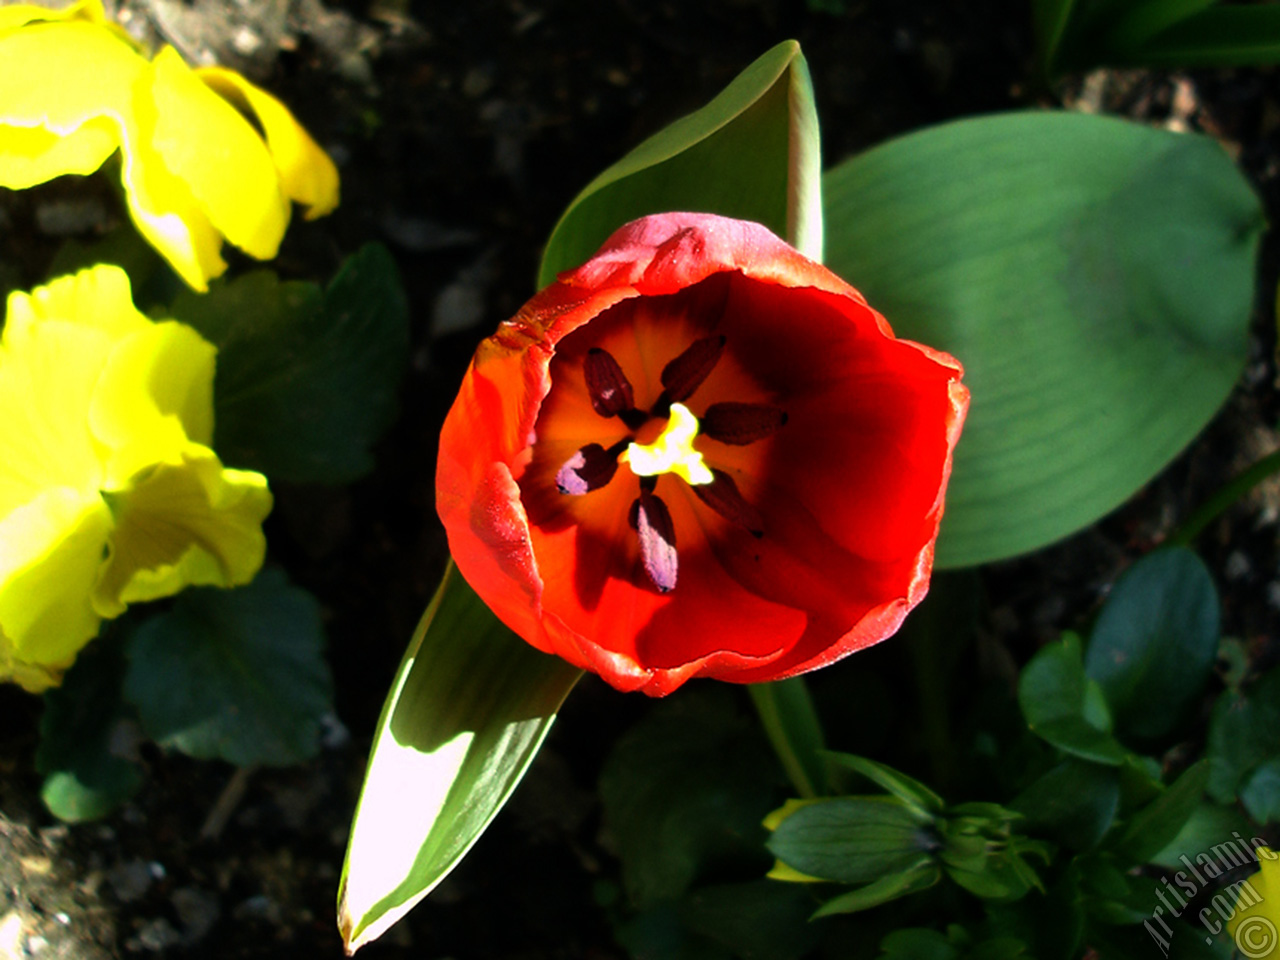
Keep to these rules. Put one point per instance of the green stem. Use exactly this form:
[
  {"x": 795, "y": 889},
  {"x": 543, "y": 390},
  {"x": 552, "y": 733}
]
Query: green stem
[
  {"x": 1229, "y": 493},
  {"x": 791, "y": 723}
]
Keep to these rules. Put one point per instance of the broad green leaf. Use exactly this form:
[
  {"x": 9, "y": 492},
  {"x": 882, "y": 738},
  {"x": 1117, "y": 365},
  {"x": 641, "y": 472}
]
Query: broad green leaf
[
  {"x": 1153, "y": 647},
  {"x": 87, "y": 737},
  {"x": 1065, "y": 707},
  {"x": 893, "y": 886},
  {"x": 1243, "y": 732},
  {"x": 1208, "y": 824},
  {"x": 852, "y": 839},
  {"x": 1261, "y": 792},
  {"x": 685, "y": 790},
  {"x": 1155, "y": 826},
  {"x": 307, "y": 378},
  {"x": 237, "y": 675},
  {"x": 759, "y": 919},
  {"x": 1094, "y": 276},
  {"x": 467, "y": 713},
  {"x": 1224, "y": 36},
  {"x": 1074, "y": 803},
  {"x": 790, "y": 721},
  {"x": 751, "y": 153},
  {"x": 911, "y": 792}
]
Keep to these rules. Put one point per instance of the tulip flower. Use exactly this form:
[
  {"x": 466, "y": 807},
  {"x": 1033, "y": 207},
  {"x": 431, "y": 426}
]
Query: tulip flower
[
  {"x": 74, "y": 89},
  {"x": 699, "y": 454},
  {"x": 109, "y": 491}
]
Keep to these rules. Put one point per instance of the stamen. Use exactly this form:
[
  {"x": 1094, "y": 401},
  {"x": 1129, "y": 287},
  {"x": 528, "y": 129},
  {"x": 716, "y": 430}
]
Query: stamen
[
  {"x": 683, "y": 375},
  {"x": 657, "y": 541},
  {"x": 741, "y": 423},
  {"x": 672, "y": 452},
  {"x": 589, "y": 469},
  {"x": 610, "y": 390},
  {"x": 722, "y": 496}
]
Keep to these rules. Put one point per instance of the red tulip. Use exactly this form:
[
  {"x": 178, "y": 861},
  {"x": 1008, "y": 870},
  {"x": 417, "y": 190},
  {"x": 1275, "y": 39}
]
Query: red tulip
[{"x": 699, "y": 454}]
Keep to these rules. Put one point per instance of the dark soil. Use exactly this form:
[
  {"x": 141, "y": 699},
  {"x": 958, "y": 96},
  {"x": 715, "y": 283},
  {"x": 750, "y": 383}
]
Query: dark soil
[{"x": 462, "y": 131}]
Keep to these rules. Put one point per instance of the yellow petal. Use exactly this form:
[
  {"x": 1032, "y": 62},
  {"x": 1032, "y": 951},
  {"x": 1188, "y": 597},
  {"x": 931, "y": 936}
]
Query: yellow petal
[
  {"x": 20, "y": 14},
  {"x": 307, "y": 175},
  {"x": 55, "y": 345},
  {"x": 85, "y": 87},
  {"x": 1256, "y": 913},
  {"x": 209, "y": 145},
  {"x": 154, "y": 395},
  {"x": 190, "y": 522},
  {"x": 32, "y": 677},
  {"x": 50, "y": 555}
]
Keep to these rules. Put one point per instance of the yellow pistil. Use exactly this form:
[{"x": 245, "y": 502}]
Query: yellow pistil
[{"x": 672, "y": 452}]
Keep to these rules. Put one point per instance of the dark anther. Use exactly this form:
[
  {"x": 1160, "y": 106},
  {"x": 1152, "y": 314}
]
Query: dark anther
[
  {"x": 610, "y": 390},
  {"x": 741, "y": 423},
  {"x": 657, "y": 541},
  {"x": 722, "y": 496},
  {"x": 589, "y": 469},
  {"x": 685, "y": 373}
]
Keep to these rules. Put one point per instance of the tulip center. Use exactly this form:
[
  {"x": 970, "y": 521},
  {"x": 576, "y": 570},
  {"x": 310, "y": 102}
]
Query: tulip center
[
  {"x": 672, "y": 452},
  {"x": 658, "y": 439}
]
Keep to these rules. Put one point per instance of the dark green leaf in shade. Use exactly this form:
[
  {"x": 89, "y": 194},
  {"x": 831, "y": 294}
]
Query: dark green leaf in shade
[
  {"x": 1094, "y": 276},
  {"x": 1208, "y": 825},
  {"x": 1051, "y": 926},
  {"x": 685, "y": 790},
  {"x": 1226, "y": 35},
  {"x": 468, "y": 711},
  {"x": 917, "y": 943},
  {"x": 751, "y": 153},
  {"x": 1261, "y": 792},
  {"x": 853, "y": 839},
  {"x": 1243, "y": 732},
  {"x": 1153, "y": 647},
  {"x": 791, "y": 723},
  {"x": 755, "y": 920},
  {"x": 88, "y": 736},
  {"x": 307, "y": 379},
  {"x": 916, "y": 878},
  {"x": 911, "y": 792},
  {"x": 1154, "y": 827},
  {"x": 1064, "y": 706},
  {"x": 1074, "y": 804},
  {"x": 238, "y": 675}
]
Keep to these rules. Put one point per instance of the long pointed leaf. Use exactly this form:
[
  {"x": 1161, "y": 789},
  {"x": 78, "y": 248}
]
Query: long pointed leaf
[
  {"x": 470, "y": 706},
  {"x": 1219, "y": 37},
  {"x": 751, "y": 153},
  {"x": 1094, "y": 276}
]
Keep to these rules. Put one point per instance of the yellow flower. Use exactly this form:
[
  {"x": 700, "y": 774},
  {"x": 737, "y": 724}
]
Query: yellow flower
[
  {"x": 109, "y": 492},
  {"x": 1255, "y": 920},
  {"x": 74, "y": 89}
]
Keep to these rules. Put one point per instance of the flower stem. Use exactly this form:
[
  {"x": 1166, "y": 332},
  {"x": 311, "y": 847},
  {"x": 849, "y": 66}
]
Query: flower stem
[
  {"x": 1228, "y": 494},
  {"x": 790, "y": 721}
]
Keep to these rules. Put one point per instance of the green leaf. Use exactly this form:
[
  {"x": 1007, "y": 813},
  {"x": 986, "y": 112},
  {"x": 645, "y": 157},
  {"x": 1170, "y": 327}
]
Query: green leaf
[
  {"x": 1065, "y": 707},
  {"x": 791, "y": 723},
  {"x": 467, "y": 713},
  {"x": 684, "y": 791},
  {"x": 307, "y": 379},
  {"x": 1154, "y": 827},
  {"x": 1224, "y": 36},
  {"x": 1243, "y": 732},
  {"x": 87, "y": 735},
  {"x": 917, "y": 943},
  {"x": 914, "y": 879},
  {"x": 852, "y": 839},
  {"x": 1147, "y": 18},
  {"x": 1209, "y": 824},
  {"x": 1050, "y": 18},
  {"x": 1094, "y": 276},
  {"x": 234, "y": 674},
  {"x": 1153, "y": 647},
  {"x": 1261, "y": 792},
  {"x": 911, "y": 792},
  {"x": 1075, "y": 803},
  {"x": 751, "y": 153},
  {"x": 759, "y": 919}
]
